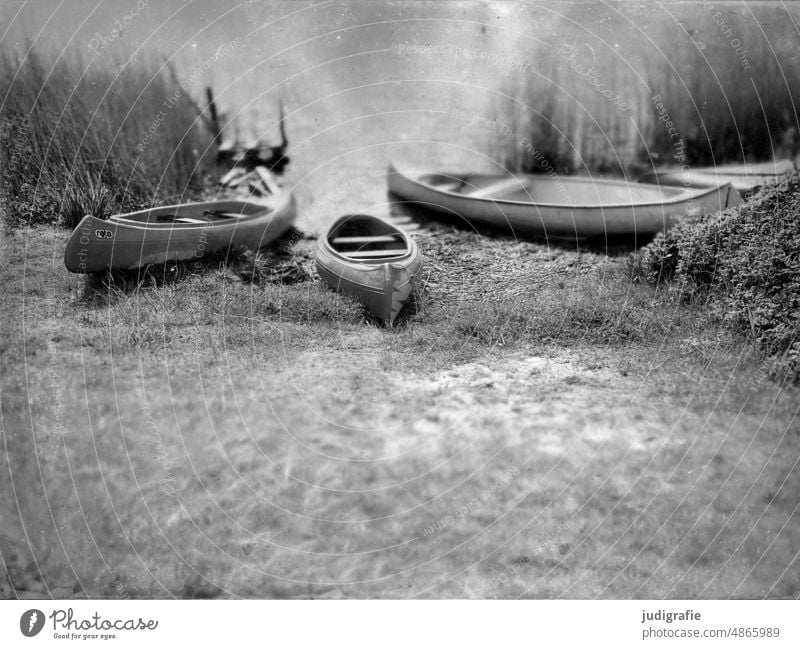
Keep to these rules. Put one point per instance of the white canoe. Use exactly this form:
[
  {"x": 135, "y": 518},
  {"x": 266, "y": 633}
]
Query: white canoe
[
  {"x": 743, "y": 177},
  {"x": 371, "y": 260},
  {"x": 176, "y": 232},
  {"x": 558, "y": 206}
]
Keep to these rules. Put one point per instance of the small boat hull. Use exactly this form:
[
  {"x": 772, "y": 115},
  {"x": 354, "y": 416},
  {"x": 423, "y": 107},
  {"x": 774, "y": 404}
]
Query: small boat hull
[
  {"x": 382, "y": 283},
  {"x": 129, "y": 241},
  {"x": 741, "y": 177},
  {"x": 570, "y": 207}
]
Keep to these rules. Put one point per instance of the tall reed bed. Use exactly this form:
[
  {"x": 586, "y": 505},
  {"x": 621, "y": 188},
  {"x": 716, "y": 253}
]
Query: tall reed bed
[
  {"x": 84, "y": 136},
  {"x": 618, "y": 89}
]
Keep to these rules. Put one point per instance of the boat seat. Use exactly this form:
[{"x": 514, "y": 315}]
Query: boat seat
[
  {"x": 364, "y": 254},
  {"x": 188, "y": 219},
  {"x": 497, "y": 188},
  {"x": 450, "y": 186},
  {"x": 224, "y": 215},
  {"x": 340, "y": 241},
  {"x": 210, "y": 216}
]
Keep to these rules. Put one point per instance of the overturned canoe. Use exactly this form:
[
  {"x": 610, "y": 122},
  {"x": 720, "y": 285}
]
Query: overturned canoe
[
  {"x": 371, "y": 260},
  {"x": 176, "y": 232},
  {"x": 742, "y": 177},
  {"x": 556, "y": 206}
]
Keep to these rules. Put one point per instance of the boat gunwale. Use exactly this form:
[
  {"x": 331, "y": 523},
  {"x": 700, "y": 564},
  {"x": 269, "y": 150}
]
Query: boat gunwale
[
  {"x": 678, "y": 173},
  {"x": 411, "y": 245},
  {"x": 686, "y": 194},
  {"x": 120, "y": 220},
  {"x": 779, "y": 168}
]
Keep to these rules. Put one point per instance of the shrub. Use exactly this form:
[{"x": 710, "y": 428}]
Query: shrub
[{"x": 746, "y": 263}]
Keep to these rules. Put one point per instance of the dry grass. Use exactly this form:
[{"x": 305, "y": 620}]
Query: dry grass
[{"x": 208, "y": 436}]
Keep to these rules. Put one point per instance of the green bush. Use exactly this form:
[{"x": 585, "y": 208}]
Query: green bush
[{"x": 746, "y": 263}]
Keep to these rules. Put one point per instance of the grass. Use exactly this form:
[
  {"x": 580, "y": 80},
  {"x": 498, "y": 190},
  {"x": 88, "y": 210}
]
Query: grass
[
  {"x": 536, "y": 426},
  {"x": 81, "y": 137}
]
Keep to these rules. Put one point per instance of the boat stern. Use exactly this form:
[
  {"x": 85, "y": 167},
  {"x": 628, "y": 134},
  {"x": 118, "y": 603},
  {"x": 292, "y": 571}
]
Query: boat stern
[
  {"x": 733, "y": 197},
  {"x": 398, "y": 288},
  {"x": 89, "y": 248}
]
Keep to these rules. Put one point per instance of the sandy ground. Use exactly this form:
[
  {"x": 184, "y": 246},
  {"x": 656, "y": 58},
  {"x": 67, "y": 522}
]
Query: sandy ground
[{"x": 234, "y": 455}]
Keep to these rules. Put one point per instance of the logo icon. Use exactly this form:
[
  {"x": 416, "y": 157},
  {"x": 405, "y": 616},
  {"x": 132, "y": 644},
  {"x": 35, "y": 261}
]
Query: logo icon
[{"x": 31, "y": 622}]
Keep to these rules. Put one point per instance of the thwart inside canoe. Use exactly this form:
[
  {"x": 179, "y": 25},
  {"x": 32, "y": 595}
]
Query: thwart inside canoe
[
  {"x": 367, "y": 239},
  {"x": 546, "y": 190}
]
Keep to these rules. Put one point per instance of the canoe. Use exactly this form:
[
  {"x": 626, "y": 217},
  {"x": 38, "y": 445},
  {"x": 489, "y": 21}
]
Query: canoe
[
  {"x": 371, "y": 260},
  {"x": 741, "y": 177},
  {"x": 574, "y": 207},
  {"x": 176, "y": 232}
]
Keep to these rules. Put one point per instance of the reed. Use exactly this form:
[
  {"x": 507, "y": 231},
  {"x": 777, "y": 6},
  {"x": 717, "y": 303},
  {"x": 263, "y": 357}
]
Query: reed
[
  {"x": 80, "y": 136},
  {"x": 728, "y": 79}
]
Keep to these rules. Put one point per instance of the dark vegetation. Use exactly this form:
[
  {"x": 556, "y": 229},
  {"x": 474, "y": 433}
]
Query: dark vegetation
[
  {"x": 81, "y": 137},
  {"x": 728, "y": 77},
  {"x": 743, "y": 264}
]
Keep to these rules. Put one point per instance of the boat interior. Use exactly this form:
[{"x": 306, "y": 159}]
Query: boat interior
[
  {"x": 193, "y": 214},
  {"x": 545, "y": 189},
  {"x": 364, "y": 238},
  {"x": 209, "y": 216}
]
